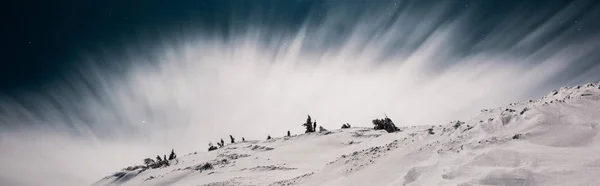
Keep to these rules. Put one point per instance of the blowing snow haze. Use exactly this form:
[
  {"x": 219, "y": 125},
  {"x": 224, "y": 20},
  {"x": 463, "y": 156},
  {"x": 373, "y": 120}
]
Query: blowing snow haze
[{"x": 88, "y": 88}]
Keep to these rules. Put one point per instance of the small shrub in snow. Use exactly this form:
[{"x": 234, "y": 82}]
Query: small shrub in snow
[
  {"x": 346, "y": 126},
  {"x": 321, "y": 129},
  {"x": 516, "y": 136},
  {"x": 524, "y": 110},
  {"x": 458, "y": 124},
  {"x": 206, "y": 166},
  {"x": 211, "y": 147},
  {"x": 148, "y": 161}
]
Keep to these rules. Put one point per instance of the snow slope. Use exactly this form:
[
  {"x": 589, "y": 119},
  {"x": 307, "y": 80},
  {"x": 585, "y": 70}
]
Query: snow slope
[{"x": 551, "y": 141}]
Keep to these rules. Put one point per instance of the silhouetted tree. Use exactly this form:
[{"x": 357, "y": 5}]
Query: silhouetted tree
[
  {"x": 164, "y": 162},
  {"x": 232, "y": 139},
  {"x": 315, "y": 126},
  {"x": 243, "y": 139},
  {"x": 289, "y": 134},
  {"x": 158, "y": 159},
  {"x": 308, "y": 125},
  {"x": 172, "y": 156},
  {"x": 269, "y": 137},
  {"x": 222, "y": 142}
]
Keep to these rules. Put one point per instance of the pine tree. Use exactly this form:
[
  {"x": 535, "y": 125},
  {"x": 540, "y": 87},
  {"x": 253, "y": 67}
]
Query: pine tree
[
  {"x": 269, "y": 137},
  {"x": 308, "y": 125},
  {"x": 165, "y": 162},
  {"x": 288, "y": 133},
  {"x": 172, "y": 156},
  {"x": 232, "y": 139},
  {"x": 222, "y": 142},
  {"x": 243, "y": 139},
  {"x": 158, "y": 159}
]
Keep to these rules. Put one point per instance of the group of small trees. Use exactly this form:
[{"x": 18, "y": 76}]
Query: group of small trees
[
  {"x": 385, "y": 124},
  {"x": 160, "y": 162},
  {"x": 380, "y": 124},
  {"x": 221, "y": 144},
  {"x": 310, "y": 126}
]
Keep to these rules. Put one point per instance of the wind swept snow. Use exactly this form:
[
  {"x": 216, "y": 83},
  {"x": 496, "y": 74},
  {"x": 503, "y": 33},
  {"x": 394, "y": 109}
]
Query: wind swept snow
[{"x": 551, "y": 141}]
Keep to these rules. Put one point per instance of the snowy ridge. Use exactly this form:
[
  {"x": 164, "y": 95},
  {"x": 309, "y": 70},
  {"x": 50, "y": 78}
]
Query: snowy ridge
[
  {"x": 551, "y": 141},
  {"x": 564, "y": 93}
]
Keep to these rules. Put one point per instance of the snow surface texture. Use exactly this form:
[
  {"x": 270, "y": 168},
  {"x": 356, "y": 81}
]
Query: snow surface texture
[{"x": 551, "y": 141}]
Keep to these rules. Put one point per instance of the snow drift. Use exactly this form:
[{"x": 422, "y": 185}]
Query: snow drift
[{"x": 551, "y": 141}]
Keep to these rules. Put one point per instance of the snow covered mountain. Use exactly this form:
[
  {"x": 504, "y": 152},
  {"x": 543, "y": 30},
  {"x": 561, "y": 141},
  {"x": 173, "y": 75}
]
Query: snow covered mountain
[{"x": 551, "y": 141}]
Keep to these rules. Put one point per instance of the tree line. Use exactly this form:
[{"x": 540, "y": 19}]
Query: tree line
[{"x": 310, "y": 126}]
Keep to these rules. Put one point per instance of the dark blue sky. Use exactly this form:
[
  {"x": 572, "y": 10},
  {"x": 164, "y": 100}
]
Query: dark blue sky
[{"x": 44, "y": 40}]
